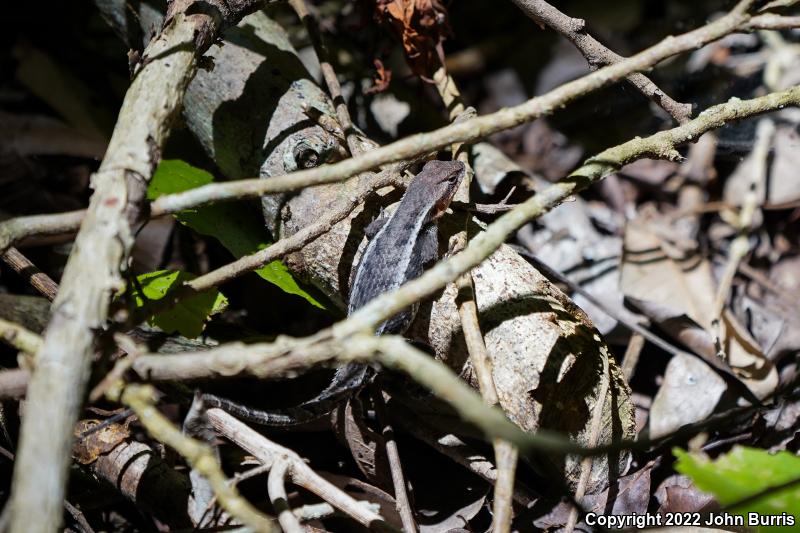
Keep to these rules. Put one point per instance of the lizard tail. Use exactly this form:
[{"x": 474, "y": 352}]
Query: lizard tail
[{"x": 347, "y": 380}]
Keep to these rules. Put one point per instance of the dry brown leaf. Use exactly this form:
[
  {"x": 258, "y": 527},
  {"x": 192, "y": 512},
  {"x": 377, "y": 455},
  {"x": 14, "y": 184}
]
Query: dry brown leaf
[
  {"x": 630, "y": 494},
  {"x": 690, "y": 392},
  {"x": 676, "y": 291},
  {"x": 677, "y": 494},
  {"x": 365, "y": 445},
  {"x": 457, "y": 519},
  {"x": 88, "y": 449},
  {"x": 381, "y": 79},
  {"x": 364, "y": 492},
  {"x": 421, "y": 26}
]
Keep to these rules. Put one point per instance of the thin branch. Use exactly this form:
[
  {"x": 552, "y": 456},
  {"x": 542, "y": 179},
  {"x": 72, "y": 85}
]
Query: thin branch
[
  {"x": 77, "y": 515},
  {"x": 19, "y": 337},
  {"x": 395, "y": 465},
  {"x": 38, "y": 279},
  {"x": 415, "y": 145},
  {"x": 280, "y": 501},
  {"x": 597, "y": 55},
  {"x": 199, "y": 455},
  {"x": 765, "y": 131},
  {"x": 92, "y": 274},
  {"x": 467, "y": 131},
  {"x": 771, "y": 21},
  {"x": 297, "y": 240},
  {"x": 271, "y": 358},
  {"x": 14, "y": 229},
  {"x": 594, "y": 439},
  {"x": 661, "y": 145},
  {"x": 631, "y": 357},
  {"x": 329, "y": 75},
  {"x": 505, "y": 453},
  {"x": 269, "y": 452}
]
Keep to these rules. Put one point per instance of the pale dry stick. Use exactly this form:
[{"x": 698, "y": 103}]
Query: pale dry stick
[
  {"x": 505, "y": 453},
  {"x": 19, "y": 337},
  {"x": 776, "y": 4},
  {"x": 141, "y": 398},
  {"x": 631, "y": 357},
  {"x": 772, "y": 21},
  {"x": 38, "y": 279},
  {"x": 14, "y": 229},
  {"x": 283, "y": 247},
  {"x": 594, "y": 438},
  {"x": 237, "y": 478},
  {"x": 92, "y": 274},
  {"x": 274, "y": 359},
  {"x": 402, "y": 502},
  {"x": 269, "y": 358},
  {"x": 297, "y": 240},
  {"x": 597, "y": 55},
  {"x": 329, "y": 75},
  {"x": 449, "y": 93},
  {"x": 661, "y": 145},
  {"x": 451, "y": 98},
  {"x": 466, "y": 131},
  {"x": 76, "y": 514},
  {"x": 301, "y": 474},
  {"x": 277, "y": 495},
  {"x": 765, "y": 131},
  {"x": 313, "y": 511}
]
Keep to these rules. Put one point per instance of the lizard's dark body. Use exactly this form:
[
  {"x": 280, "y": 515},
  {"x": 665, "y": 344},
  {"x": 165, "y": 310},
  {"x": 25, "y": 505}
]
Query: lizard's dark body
[{"x": 399, "y": 248}]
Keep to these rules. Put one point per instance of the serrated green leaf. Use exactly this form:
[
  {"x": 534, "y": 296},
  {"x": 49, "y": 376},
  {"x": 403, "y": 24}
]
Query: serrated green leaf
[
  {"x": 190, "y": 315},
  {"x": 745, "y": 472},
  {"x": 237, "y": 227}
]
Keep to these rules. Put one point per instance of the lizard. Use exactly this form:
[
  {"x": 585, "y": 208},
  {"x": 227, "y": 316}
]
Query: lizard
[{"x": 399, "y": 246}]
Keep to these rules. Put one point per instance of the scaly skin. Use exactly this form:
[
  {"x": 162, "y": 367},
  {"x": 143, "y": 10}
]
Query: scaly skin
[{"x": 405, "y": 243}]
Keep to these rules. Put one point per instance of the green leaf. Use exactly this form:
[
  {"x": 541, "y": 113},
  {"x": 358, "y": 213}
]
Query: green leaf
[
  {"x": 190, "y": 315},
  {"x": 237, "y": 227},
  {"x": 744, "y": 472},
  {"x": 174, "y": 175}
]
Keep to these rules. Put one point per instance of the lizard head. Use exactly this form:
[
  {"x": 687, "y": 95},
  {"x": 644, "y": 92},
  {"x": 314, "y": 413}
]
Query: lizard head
[{"x": 437, "y": 183}]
